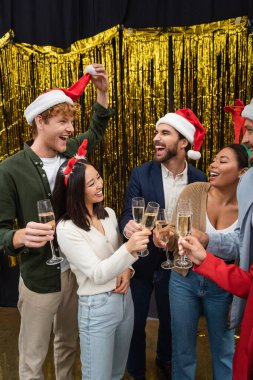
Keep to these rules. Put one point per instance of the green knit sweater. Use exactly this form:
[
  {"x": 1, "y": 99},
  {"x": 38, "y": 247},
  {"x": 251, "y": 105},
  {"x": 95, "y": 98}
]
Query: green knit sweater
[{"x": 23, "y": 182}]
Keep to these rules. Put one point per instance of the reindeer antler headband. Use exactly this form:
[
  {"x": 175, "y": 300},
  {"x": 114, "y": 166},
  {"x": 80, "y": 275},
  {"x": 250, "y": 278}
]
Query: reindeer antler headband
[{"x": 81, "y": 154}]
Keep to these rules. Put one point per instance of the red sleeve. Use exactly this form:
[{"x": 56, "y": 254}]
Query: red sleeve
[{"x": 230, "y": 277}]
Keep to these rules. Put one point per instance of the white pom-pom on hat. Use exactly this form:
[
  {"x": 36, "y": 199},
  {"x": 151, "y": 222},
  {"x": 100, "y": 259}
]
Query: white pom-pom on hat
[
  {"x": 194, "y": 154},
  {"x": 90, "y": 70}
]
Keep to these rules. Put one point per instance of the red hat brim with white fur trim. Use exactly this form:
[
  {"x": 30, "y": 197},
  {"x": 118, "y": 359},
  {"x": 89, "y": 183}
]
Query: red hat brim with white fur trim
[{"x": 56, "y": 96}]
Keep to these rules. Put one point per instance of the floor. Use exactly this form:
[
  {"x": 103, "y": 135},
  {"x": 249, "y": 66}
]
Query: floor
[{"x": 9, "y": 327}]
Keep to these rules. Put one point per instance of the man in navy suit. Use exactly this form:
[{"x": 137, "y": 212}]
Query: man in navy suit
[{"x": 160, "y": 180}]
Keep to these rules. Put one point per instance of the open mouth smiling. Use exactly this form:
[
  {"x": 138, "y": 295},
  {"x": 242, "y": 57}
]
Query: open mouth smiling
[
  {"x": 213, "y": 174},
  {"x": 159, "y": 148}
]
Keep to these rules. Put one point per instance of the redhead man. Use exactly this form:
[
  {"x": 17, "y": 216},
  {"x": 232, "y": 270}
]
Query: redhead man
[{"x": 47, "y": 294}]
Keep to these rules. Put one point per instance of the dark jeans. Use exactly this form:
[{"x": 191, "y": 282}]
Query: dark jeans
[{"x": 141, "y": 293}]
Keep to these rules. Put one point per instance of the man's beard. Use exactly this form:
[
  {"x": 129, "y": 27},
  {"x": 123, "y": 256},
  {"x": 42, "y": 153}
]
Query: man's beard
[{"x": 171, "y": 152}]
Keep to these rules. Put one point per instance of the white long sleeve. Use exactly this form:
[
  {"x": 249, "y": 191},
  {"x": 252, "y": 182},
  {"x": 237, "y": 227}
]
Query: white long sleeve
[{"x": 94, "y": 258}]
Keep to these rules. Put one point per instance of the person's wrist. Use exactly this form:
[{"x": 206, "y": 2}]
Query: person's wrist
[
  {"x": 129, "y": 248},
  {"x": 202, "y": 258},
  {"x": 18, "y": 239},
  {"x": 206, "y": 241},
  {"x": 103, "y": 98},
  {"x": 125, "y": 234}
]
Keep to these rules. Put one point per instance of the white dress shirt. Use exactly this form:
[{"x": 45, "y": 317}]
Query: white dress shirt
[{"x": 172, "y": 187}]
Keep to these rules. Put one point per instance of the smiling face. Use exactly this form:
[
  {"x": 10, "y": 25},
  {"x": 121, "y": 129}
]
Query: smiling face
[
  {"x": 53, "y": 135},
  {"x": 93, "y": 186},
  {"x": 224, "y": 170},
  {"x": 52, "y": 129},
  {"x": 167, "y": 143}
]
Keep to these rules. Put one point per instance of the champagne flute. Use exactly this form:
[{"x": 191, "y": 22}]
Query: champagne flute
[
  {"x": 184, "y": 221},
  {"x": 148, "y": 221},
  {"x": 46, "y": 215},
  {"x": 138, "y": 205},
  {"x": 163, "y": 227}
]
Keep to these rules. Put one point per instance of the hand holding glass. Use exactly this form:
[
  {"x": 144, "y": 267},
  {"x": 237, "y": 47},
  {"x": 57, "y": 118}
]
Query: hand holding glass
[
  {"x": 46, "y": 215},
  {"x": 148, "y": 221},
  {"x": 184, "y": 220}
]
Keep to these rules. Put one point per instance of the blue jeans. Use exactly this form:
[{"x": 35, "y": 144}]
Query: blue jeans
[
  {"x": 186, "y": 295},
  {"x": 141, "y": 292},
  {"x": 105, "y": 327}
]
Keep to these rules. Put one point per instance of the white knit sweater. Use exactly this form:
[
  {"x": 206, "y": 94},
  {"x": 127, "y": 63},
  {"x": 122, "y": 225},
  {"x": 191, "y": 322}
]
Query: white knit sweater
[{"x": 94, "y": 258}]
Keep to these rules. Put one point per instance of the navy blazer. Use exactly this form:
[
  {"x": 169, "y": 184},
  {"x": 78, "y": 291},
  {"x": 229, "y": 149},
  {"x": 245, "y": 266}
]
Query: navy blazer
[{"x": 146, "y": 181}]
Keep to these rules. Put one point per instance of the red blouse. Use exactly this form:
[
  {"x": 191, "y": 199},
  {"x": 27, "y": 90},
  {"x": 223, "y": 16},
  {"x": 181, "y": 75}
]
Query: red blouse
[{"x": 239, "y": 282}]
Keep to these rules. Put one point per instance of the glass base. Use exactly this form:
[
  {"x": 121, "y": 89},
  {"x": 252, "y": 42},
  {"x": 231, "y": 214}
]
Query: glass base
[
  {"x": 183, "y": 263},
  {"x": 167, "y": 265},
  {"x": 54, "y": 261},
  {"x": 143, "y": 253}
]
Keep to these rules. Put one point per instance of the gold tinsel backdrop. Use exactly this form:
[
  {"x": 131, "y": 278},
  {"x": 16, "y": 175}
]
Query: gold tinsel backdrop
[{"x": 151, "y": 72}]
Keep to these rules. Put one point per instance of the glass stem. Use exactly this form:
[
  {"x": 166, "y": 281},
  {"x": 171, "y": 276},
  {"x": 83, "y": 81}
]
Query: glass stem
[
  {"x": 166, "y": 253},
  {"x": 52, "y": 250}
]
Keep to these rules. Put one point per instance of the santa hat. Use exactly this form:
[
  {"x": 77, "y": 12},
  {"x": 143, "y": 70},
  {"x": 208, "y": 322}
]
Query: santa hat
[
  {"x": 236, "y": 111},
  {"x": 248, "y": 111},
  {"x": 186, "y": 123},
  {"x": 55, "y": 96}
]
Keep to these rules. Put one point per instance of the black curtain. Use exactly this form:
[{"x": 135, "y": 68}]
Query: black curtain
[
  {"x": 62, "y": 22},
  {"x": 162, "y": 13}
]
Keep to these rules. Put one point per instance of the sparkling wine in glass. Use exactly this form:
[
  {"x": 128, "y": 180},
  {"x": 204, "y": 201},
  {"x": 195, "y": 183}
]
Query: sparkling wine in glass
[
  {"x": 184, "y": 222},
  {"x": 149, "y": 220},
  {"x": 163, "y": 227},
  {"x": 46, "y": 215},
  {"x": 138, "y": 205}
]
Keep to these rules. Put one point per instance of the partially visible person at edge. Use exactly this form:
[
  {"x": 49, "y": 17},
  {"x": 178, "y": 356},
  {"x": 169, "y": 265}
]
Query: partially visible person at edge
[
  {"x": 88, "y": 235},
  {"x": 160, "y": 180},
  {"x": 237, "y": 281},
  {"x": 214, "y": 208},
  {"x": 239, "y": 244},
  {"x": 47, "y": 294}
]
